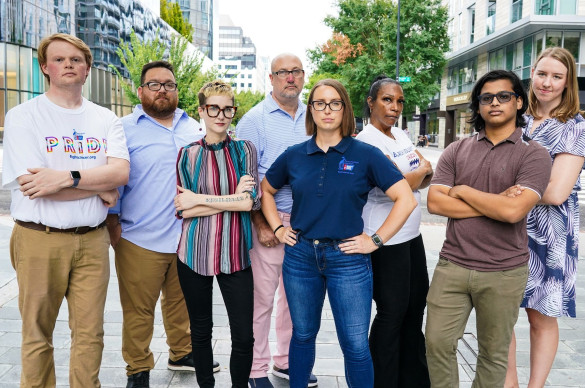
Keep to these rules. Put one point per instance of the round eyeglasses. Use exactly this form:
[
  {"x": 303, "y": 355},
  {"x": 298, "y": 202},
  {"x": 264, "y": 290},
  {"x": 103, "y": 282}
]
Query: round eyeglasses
[
  {"x": 283, "y": 74},
  {"x": 503, "y": 97},
  {"x": 155, "y": 86},
  {"x": 333, "y": 105},
  {"x": 228, "y": 112}
]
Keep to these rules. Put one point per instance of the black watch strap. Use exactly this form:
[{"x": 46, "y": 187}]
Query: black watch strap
[
  {"x": 76, "y": 176},
  {"x": 377, "y": 240}
]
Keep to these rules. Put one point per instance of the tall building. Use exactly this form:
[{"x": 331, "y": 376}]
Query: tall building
[
  {"x": 238, "y": 60},
  {"x": 200, "y": 14},
  {"x": 503, "y": 34},
  {"x": 102, "y": 24}
]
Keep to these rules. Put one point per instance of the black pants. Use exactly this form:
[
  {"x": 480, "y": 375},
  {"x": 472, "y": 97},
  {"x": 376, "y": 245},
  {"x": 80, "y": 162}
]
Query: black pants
[
  {"x": 397, "y": 343},
  {"x": 237, "y": 290}
]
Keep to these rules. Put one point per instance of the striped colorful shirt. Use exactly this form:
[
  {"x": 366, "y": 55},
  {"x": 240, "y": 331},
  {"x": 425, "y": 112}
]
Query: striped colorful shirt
[{"x": 218, "y": 243}]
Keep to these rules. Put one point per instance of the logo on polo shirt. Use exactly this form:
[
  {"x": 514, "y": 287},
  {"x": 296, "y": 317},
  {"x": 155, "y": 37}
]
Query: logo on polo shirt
[{"x": 346, "y": 166}]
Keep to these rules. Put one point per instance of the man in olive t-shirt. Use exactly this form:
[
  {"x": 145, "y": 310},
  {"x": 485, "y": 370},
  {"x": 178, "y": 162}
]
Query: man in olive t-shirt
[{"x": 484, "y": 260}]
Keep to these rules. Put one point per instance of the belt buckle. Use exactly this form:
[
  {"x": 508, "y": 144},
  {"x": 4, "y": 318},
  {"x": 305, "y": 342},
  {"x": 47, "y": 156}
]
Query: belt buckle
[{"x": 81, "y": 230}]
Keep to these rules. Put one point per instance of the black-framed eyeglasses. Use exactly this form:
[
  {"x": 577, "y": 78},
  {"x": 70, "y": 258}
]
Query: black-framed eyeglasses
[
  {"x": 297, "y": 73},
  {"x": 335, "y": 105},
  {"x": 503, "y": 97},
  {"x": 155, "y": 86},
  {"x": 228, "y": 112}
]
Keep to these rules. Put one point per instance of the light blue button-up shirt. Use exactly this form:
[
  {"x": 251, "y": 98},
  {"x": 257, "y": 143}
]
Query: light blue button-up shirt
[
  {"x": 273, "y": 130},
  {"x": 146, "y": 208}
]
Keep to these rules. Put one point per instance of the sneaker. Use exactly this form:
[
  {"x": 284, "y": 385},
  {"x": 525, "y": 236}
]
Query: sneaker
[
  {"x": 186, "y": 364},
  {"x": 139, "y": 380},
  {"x": 283, "y": 374},
  {"x": 259, "y": 382}
]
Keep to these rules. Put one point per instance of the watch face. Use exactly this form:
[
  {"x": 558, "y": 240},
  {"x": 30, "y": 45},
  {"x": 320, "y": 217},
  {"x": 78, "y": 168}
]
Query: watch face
[
  {"x": 75, "y": 175},
  {"x": 377, "y": 239}
]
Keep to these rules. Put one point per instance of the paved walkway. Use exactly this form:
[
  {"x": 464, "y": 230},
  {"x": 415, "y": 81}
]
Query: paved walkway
[{"x": 568, "y": 369}]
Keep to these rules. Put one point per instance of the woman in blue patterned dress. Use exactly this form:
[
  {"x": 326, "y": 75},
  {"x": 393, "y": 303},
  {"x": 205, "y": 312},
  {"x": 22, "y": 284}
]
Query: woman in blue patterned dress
[{"x": 553, "y": 120}]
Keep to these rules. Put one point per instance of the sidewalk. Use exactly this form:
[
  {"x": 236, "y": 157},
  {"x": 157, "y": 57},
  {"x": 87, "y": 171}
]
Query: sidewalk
[{"x": 568, "y": 370}]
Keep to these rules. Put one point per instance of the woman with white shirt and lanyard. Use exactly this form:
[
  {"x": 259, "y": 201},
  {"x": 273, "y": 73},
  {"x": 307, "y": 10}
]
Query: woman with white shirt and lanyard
[{"x": 399, "y": 267}]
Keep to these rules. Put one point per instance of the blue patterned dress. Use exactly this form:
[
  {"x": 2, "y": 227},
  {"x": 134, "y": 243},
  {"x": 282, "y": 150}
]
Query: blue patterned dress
[{"x": 553, "y": 231}]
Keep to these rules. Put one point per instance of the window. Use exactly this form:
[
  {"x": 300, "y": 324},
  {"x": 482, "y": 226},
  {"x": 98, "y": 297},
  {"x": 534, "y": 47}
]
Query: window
[
  {"x": 242, "y": 85},
  {"x": 491, "y": 19},
  {"x": 249, "y": 85},
  {"x": 461, "y": 77},
  {"x": 567, "y": 7},
  {"x": 545, "y": 7},
  {"x": 516, "y": 10},
  {"x": 471, "y": 18},
  {"x": 249, "y": 75},
  {"x": 242, "y": 76}
]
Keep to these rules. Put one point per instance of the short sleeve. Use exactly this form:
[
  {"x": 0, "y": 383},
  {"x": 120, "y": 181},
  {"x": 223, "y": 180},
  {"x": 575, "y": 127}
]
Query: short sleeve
[
  {"x": 535, "y": 169},
  {"x": 248, "y": 129},
  {"x": 117, "y": 147},
  {"x": 19, "y": 154},
  {"x": 573, "y": 138},
  {"x": 383, "y": 172},
  {"x": 277, "y": 174},
  {"x": 445, "y": 171}
]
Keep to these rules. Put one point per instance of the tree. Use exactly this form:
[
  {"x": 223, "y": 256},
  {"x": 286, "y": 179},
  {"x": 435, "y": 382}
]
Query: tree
[
  {"x": 363, "y": 46},
  {"x": 171, "y": 13},
  {"x": 188, "y": 68}
]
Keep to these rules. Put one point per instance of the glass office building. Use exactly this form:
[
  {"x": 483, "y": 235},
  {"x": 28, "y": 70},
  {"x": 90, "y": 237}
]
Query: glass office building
[{"x": 102, "y": 24}]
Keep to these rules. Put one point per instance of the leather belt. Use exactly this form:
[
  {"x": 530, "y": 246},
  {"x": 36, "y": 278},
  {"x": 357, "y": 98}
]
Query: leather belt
[{"x": 50, "y": 229}]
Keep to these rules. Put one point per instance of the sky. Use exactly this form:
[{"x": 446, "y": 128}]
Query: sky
[{"x": 277, "y": 26}]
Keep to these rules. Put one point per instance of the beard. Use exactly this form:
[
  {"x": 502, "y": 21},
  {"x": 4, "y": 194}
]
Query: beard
[{"x": 160, "y": 107}]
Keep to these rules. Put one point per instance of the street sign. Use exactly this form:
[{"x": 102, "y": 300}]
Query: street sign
[{"x": 403, "y": 79}]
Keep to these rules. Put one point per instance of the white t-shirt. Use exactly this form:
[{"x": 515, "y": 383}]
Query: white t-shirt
[
  {"x": 39, "y": 133},
  {"x": 402, "y": 152}
]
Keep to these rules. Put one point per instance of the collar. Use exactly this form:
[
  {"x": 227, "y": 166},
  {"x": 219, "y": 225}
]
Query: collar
[
  {"x": 138, "y": 113},
  {"x": 341, "y": 147},
  {"x": 272, "y": 106},
  {"x": 513, "y": 138}
]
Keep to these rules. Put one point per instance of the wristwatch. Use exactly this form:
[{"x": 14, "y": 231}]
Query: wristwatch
[
  {"x": 76, "y": 176},
  {"x": 377, "y": 240}
]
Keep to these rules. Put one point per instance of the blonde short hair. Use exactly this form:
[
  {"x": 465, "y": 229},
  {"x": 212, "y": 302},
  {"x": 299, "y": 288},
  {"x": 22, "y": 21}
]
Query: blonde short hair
[
  {"x": 215, "y": 88},
  {"x": 78, "y": 43}
]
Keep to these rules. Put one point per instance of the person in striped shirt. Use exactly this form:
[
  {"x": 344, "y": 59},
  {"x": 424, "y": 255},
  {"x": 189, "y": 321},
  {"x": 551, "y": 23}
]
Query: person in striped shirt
[{"x": 217, "y": 184}]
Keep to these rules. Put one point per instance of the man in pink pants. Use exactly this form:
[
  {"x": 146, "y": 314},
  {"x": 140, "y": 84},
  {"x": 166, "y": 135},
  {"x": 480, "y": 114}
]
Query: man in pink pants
[{"x": 273, "y": 125}]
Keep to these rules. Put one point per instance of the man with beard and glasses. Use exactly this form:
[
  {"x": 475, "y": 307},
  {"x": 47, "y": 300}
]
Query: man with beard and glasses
[
  {"x": 275, "y": 124},
  {"x": 143, "y": 228}
]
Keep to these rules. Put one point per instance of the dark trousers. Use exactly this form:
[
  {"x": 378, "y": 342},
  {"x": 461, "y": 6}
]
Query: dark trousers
[
  {"x": 397, "y": 344},
  {"x": 237, "y": 290}
]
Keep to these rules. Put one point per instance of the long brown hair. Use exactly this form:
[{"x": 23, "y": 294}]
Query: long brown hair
[
  {"x": 569, "y": 105},
  {"x": 347, "y": 121}
]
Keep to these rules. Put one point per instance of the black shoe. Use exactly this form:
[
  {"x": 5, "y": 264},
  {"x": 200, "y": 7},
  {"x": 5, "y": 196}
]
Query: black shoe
[
  {"x": 186, "y": 364},
  {"x": 139, "y": 380}
]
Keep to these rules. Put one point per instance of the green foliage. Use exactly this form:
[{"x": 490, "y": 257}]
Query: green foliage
[
  {"x": 171, "y": 13},
  {"x": 364, "y": 46},
  {"x": 245, "y": 101},
  {"x": 316, "y": 77},
  {"x": 188, "y": 72}
]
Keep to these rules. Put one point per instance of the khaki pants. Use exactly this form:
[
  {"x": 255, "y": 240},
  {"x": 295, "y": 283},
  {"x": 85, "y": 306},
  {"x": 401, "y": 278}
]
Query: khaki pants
[
  {"x": 496, "y": 297},
  {"x": 50, "y": 266},
  {"x": 142, "y": 275}
]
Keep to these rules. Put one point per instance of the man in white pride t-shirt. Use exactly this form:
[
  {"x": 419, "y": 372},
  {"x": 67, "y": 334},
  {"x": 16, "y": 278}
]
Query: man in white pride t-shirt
[{"x": 64, "y": 157}]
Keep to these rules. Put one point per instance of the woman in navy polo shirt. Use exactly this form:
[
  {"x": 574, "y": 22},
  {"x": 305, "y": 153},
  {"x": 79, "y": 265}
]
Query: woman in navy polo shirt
[{"x": 327, "y": 250}]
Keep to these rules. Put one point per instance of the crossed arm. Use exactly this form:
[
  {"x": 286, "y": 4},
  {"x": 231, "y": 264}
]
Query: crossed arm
[
  {"x": 201, "y": 205},
  {"x": 56, "y": 184},
  {"x": 465, "y": 202}
]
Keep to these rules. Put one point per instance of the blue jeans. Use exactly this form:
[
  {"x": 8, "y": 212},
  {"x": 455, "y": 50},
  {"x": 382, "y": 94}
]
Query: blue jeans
[{"x": 311, "y": 268}]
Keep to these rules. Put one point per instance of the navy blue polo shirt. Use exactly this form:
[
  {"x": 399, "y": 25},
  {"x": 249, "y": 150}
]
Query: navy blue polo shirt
[{"x": 330, "y": 188}]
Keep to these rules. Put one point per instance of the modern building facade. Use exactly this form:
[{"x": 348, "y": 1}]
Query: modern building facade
[
  {"x": 102, "y": 24},
  {"x": 238, "y": 60},
  {"x": 503, "y": 34},
  {"x": 200, "y": 14}
]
